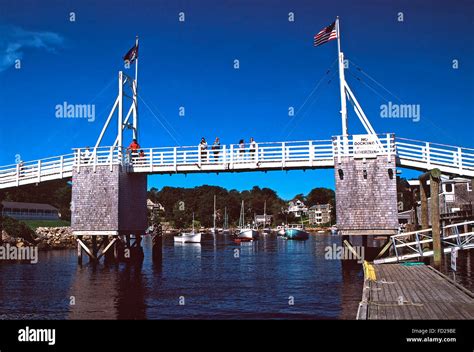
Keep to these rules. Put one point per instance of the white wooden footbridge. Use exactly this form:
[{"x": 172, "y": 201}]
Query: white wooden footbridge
[
  {"x": 99, "y": 198},
  {"x": 294, "y": 155}
]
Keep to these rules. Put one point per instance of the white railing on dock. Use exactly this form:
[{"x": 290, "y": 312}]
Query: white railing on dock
[
  {"x": 416, "y": 244},
  {"x": 263, "y": 156}
]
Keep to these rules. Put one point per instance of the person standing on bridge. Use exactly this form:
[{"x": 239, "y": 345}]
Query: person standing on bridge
[
  {"x": 252, "y": 149},
  {"x": 216, "y": 147},
  {"x": 241, "y": 150},
  {"x": 133, "y": 149},
  {"x": 141, "y": 157},
  {"x": 203, "y": 149}
]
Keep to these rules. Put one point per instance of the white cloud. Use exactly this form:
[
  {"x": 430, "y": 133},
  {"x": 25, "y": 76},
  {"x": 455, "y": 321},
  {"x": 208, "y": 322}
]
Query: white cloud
[{"x": 15, "y": 40}]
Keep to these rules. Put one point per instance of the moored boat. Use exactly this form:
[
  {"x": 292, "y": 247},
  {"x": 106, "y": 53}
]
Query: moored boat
[
  {"x": 280, "y": 230},
  {"x": 245, "y": 232},
  {"x": 296, "y": 232},
  {"x": 188, "y": 237},
  {"x": 248, "y": 233}
]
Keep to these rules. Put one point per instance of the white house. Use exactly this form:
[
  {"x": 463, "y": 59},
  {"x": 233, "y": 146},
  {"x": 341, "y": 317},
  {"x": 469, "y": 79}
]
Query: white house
[{"x": 297, "y": 208}]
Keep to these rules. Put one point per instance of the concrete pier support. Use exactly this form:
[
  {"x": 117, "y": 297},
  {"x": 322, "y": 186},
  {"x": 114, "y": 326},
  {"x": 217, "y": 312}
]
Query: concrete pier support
[
  {"x": 366, "y": 195},
  {"x": 108, "y": 202}
]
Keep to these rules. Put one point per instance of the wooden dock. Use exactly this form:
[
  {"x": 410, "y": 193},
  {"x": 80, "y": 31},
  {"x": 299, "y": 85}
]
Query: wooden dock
[{"x": 402, "y": 292}]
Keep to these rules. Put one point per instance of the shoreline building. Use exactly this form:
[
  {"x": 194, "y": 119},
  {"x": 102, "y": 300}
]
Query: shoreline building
[
  {"x": 30, "y": 211},
  {"x": 297, "y": 208},
  {"x": 456, "y": 199},
  {"x": 320, "y": 214}
]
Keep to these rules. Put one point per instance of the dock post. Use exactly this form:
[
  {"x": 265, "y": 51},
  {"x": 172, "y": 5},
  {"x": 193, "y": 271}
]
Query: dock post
[
  {"x": 435, "y": 175},
  {"x": 94, "y": 248},
  {"x": 109, "y": 254},
  {"x": 79, "y": 251},
  {"x": 424, "y": 204}
]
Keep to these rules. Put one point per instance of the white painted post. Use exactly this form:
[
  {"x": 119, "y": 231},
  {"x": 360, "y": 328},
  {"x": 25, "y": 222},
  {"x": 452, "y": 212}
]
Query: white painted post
[
  {"x": 311, "y": 152},
  {"x": 61, "y": 165},
  {"x": 256, "y": 153},
  {"x": 17, "y": 174},
  {"x": 39, "y": 170},
  {"x": 151, "y": 160},
  {"x": 224, "y": 156},
  {"x": 389, "y": 147},
  {"x": 95, "y": 160},
  {"x": 78, "y": 159},
  {"x": 111, "y": 159},
  {"x": 283, "y": 154},
  {"x": 460, "y": 158},
  {"x": 427, "y": 154},
  {"x": 231, "y": 156},
  {"x": 338, "y": 148},
  {"x": 199, "y": 157},
  {"x": 340, "y": 57},
  {"x": 175, "y": 151},
  {"x": 120, "y": 112}
]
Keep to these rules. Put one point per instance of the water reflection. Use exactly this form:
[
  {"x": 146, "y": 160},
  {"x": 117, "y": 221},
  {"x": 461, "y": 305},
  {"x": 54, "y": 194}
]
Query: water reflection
[{"x": 260, "y": 282}]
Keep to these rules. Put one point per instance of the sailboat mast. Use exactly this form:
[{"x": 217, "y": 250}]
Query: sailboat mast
[
  {"x": 225, "y": 218},
  {"x": 265, "y": 214},
  {"x": 214, "y": 211}
]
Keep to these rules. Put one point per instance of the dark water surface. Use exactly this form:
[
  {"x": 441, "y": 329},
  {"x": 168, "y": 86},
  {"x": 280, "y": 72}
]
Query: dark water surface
[{"x": 261, "y": 283}]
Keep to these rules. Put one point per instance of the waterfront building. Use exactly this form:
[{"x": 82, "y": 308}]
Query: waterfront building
[
  {"x": 297, "y": 208},
  {"x": 319, "y": 214},
  {"x": 29, "y": 211}
]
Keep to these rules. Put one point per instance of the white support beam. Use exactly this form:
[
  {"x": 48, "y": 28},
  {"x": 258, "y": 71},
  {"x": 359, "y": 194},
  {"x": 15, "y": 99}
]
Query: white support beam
[
  {"x": 106, "y": 123},
  {"x": 120, "y": 112}
]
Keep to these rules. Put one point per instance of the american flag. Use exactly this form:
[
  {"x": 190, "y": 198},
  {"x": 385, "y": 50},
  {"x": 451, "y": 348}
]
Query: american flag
[{"x": 326, "y": 34}]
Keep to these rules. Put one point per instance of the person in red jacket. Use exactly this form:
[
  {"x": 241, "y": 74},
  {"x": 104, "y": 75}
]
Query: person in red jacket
[
  {"x": 134, "y": 146},
  {"x": 133, "y": 149}
]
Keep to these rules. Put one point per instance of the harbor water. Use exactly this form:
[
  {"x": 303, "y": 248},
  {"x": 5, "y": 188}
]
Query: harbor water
[
  {"x": 217, "y": 279},
  {"x": 271, "y": 278}
]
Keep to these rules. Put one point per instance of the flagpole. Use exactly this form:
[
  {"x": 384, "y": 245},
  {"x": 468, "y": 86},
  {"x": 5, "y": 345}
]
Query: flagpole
[
  {"x": 135, "y": 93},
  {"x": 342, "y": 89}
]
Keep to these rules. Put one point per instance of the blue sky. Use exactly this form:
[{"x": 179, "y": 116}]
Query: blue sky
[{"x": 190, "y": 64}]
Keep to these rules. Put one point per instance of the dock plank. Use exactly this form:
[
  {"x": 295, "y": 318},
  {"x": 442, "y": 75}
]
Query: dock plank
[{"x": 427, "y": 294}]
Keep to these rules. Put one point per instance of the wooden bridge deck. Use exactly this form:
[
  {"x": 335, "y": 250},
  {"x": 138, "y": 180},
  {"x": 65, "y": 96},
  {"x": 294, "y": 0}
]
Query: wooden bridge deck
[{"x": 399, "y": 292}]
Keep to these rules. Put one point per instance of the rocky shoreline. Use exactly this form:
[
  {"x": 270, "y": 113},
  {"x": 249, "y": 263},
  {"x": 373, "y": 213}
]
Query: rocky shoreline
[{"x": 47, "y": 238}]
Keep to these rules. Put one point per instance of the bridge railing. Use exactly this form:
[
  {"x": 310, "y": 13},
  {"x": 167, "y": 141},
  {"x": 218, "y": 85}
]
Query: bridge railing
[
  {"x": 101, "y": 156},
  {"x": 36, "y": 171},
  {"x": 435, "y": 155},
  {"x": 234, "y": 154},
  {"x": 381, "y": 144}
]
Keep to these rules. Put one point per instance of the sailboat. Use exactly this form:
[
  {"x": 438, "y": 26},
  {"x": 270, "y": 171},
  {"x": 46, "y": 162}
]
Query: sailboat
[
  {"x": 266, "y": 230},
  {"x": 188, "y": 237},
  {"x": 226, "y": 230},
  {"x": 245, "y": 232},
  {"x": 214, "y": 216}
]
